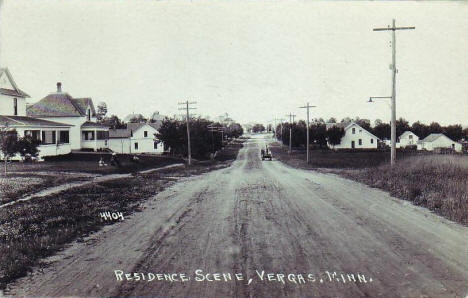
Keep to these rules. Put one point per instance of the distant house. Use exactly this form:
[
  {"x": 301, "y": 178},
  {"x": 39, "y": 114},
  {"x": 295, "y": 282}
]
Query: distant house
[
  {"x": 54, "y": 136},
  {"x": 136, "y": 138},
  {"x": 436, "y": 141},
  {"x": 407, "y": 138},
  {"x": 355, "y": 137},
  {"x": 79, "y": 113}
]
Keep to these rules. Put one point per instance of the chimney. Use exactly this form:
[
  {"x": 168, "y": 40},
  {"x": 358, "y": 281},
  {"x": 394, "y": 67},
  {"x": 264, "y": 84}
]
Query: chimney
[{"x": 59, "y": 87}]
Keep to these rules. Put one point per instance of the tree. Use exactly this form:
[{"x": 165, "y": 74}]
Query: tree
[
  {"x": 27, "y": 146},
  {"x": 435, "y": 127},
  {"x": 101, "y": 111},
  {"x": 234, "y": 130},
  {"x": 318, "y": 134},
  {"x": 401, "y": 126},
  {"x": 8, "y": 144},
  {"x": 138, "y": 119},
  {"x": 364, "y": 123},
  {"x": 334, "y": 135},
  {"x": 258, "y": 128},
  {"x": 113, "y": 122},
  {"x": 454, "y": 132},
  {"x": 420, "y": 129},
  {"x": 382, "y": 131},
  {"x": 332, "y": 120}
]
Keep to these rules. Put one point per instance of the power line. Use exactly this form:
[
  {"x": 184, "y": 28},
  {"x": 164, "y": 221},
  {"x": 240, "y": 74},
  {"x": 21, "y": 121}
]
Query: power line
[
  {"x": 307, "y": 107},
  {"x": 187, "y": 108},
  {"x": 393, "y": 28}
]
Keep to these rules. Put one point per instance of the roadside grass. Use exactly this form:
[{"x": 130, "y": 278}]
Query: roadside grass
[
  {"x": 88, "y": 163},
  {"x": 17, "y": 185},
  {"x": 35, "y": 229},
  {"x": 437, "y": 182}
]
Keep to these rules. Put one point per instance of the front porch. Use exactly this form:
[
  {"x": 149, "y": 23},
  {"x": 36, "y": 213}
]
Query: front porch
[{"x": 94, "y": 136}]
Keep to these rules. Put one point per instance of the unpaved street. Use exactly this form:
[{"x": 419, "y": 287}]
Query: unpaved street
[{"x": 267, "y": 217}]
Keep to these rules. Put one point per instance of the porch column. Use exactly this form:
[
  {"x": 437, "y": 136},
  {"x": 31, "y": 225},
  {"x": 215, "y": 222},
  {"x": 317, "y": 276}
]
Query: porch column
[{"x": 95, "y": 139}]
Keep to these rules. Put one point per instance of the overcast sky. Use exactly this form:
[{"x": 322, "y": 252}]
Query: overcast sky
[{"x": 253, "y": 60}]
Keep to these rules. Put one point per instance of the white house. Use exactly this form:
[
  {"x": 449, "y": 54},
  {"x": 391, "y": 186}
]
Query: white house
[
  {"x": 438, "y": 140},
  {"x": 355, "y": 137},
  {"x": 54, "y": 136},
  {"x": 407, "y": 138},
  {"x": 136, "y": 138},
  {"x": 79, "y": 113}
]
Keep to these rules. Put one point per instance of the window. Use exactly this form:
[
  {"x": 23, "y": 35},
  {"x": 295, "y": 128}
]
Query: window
[
  {"x": 360, "y": 130},
  {"x": 64, "y": 137},
  {"x": 372, "y": 141},
  {"x": 15, "y": 105},
  {"x": 354, "y": 130},
  {"x": 102, "y": 135},
  {"x": 410, "y": 137},
  {"x": 155, "y": 145},
  {"x": 360, "y": 141},
  {"x": 145, "y": 134},
  {"x": 136, "y": 146},
  {"x": 88, "y": 135},
  {"x": 34, "y": 134},
  {"x": 88, "y": 114},
  {"x": 48, "y": 137}
]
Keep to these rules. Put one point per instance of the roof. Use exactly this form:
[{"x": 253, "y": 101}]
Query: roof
[
  {"x": 94, "y": 124},
  {"x": 347, "y": 125},
  {"x": 127, "y": 132},
  {"x": 16, "y": 121},
  {"x": 432, "y": 137},
  {"x": 156, "y": 125},
  {"x": 407, "y": 133},
  {"x": 11, "y": 92},
  {"x": 61, "y": 104}
]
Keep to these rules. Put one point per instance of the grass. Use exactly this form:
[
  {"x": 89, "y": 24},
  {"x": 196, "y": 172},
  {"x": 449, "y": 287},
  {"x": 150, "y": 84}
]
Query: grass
[
  {"x": 32, "y": 230},
  {"x": 437, "y": 182},
  {"x": 88, "y": 163}
]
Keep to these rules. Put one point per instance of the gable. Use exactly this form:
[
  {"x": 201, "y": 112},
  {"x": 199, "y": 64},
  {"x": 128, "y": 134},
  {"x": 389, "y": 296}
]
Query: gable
[
  {"x": 5, "y": 82},
  {"x": 358, "y": 127}
]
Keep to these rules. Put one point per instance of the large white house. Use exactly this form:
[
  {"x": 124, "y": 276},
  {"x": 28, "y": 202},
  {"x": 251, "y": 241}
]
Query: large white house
[
  {"x": 54, "y": 136},
  {"x": 136, "y": 138},
  {"x": 438, "y": 140},
  {"x": 79, "y": 113},
  {"x": 408, "y": 138},
  {"x": 355, "y": 137}
]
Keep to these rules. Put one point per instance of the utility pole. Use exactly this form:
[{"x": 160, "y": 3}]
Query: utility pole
[
  {"x": 393, "y": 97},
  {"x": 291, "y": 121},
  {"x": 187, "y": 108},
  {"x": 307, "y": 145}
]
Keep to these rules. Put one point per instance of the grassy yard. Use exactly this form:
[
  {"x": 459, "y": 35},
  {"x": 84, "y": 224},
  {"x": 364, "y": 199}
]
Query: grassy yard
[
  {"x": 32, "y": 230},
  {"x": 437, "y": 182}
]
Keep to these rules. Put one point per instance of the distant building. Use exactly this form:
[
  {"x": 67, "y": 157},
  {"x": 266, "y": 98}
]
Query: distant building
[
  {"x": 136, "y": 138},
  {"x": 355, "y": 137},
  {"x": 407, "y": 138},
  {"x": 436, "y": 141},
  {"x": 129, "y": 117},
  {"x": 79, "y": 113}
]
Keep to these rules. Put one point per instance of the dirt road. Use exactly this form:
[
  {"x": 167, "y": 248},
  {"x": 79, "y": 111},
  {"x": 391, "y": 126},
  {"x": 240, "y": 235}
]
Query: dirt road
[{"x": 263, "y": 217}]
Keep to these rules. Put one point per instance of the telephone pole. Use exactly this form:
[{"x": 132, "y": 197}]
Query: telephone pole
[
  {"x": 187, "y": 108},
  {"x": 393, "y": 97},
  {"x": 291, "y": 121},
  {"x": 307, "y": 145}
]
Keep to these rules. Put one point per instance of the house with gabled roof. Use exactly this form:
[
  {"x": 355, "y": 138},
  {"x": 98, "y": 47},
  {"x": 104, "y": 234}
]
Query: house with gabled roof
[
  {"x": 436, "y": 141},
  {"x": 54, "y": 136},
  {"x": 136, "y": 138},
  {"x": 80, "y": 113},
  {"x": 408, "y": 138},
  {"x": 355, "y": 137}
]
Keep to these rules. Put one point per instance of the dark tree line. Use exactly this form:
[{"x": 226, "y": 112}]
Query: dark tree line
[
  {"x": 318, "y": 134},
  {"x": 173, "y": 133}
]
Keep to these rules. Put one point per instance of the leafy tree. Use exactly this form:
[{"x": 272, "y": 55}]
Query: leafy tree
[
  {"x": 318, "y": 134},
  {"x": 234, "y": 130},
  {"x": 334, "y": 135},
  {"x": 420, "y": 129},
  {"x": 101, "y": 111},
  {"x": 401, "y": 126},
  {"x": 364, "y": 123},
  {"x": 332, "y": 120},
  {"x": 138, "y": 119},
  {"x": 454, "y": 132},
  {"x": 8, "y": 144},
  {"x": 465, "y": 134},
  {"x": 113, "y": 122},
  {"x": 435, "y": 127},
  {"x": 382, "y": 131},
  {"x": 258, "y": 128},
  {"x": 27, "y": 146}
]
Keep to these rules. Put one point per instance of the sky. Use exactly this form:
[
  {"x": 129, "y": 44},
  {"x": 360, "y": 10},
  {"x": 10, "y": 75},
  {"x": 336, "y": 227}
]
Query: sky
[{"x": 256, "y": 61}]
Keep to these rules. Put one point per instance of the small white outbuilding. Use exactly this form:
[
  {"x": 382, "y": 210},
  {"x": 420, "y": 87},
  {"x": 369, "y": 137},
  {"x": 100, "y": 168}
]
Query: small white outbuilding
[{"x": 438, "y": 140}]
